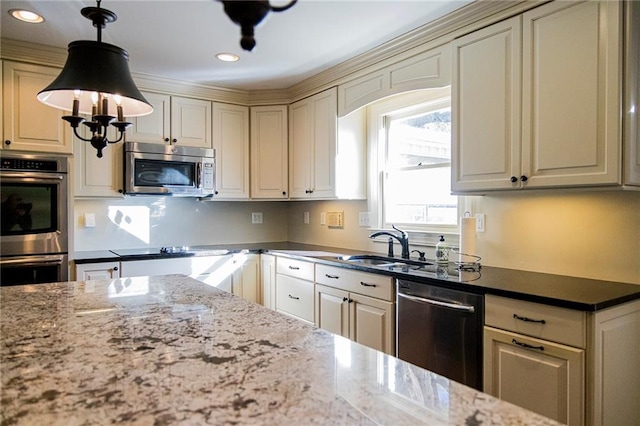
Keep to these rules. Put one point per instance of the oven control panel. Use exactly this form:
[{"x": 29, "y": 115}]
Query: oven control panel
[{"x": 29, "y": 164}]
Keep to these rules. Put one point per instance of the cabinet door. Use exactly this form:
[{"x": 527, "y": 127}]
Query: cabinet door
[
  {"x": 372, "y": 323},
  {"x": 300, "y": 148},
  {"x": 154, "y": 127},
  {"x": 570, "y": 99},
  {"x": 268, "y": 275},
  {"x": 191, "y": 122},
  {"x": 294, "y": 297},
  {"x": 485, "y": 101},
  {"x": 98, "y": 177},
  {"x": 246, "y": 277},
  {"x": 544, "y": 377},
  {"x": 323, "y": 167},
  {"x": 332, "y": 310},
  {"x": 269, "y": 153},
  {"x": 28, "y": 124},
  {"x": 631, "y": 118},
  {"x": 98, "y": 271},
  {"x": 231, "y": 142}
]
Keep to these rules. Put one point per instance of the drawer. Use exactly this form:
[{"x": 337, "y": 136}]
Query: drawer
[
  {"x": 295, "y": 268},
  {"x": 372, "y": 285},
  {"x": 295, "y": 297},
  {"x": 546, "y": 322}
]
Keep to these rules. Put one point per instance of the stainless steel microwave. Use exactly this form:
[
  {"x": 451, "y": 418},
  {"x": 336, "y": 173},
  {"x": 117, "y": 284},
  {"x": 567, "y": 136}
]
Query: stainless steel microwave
[{"x": 154, "y": 169}]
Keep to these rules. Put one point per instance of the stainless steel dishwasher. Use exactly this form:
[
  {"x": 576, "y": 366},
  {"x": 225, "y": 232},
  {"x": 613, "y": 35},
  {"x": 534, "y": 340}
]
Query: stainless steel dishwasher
[{"x": 440, "y": 329}]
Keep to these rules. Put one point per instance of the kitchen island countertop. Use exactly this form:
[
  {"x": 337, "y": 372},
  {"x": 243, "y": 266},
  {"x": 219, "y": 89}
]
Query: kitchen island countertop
[{"x": 172, "y": 350}]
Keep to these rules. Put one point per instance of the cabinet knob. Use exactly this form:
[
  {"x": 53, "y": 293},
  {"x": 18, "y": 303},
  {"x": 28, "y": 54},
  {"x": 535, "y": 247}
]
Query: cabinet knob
[
  {"x": 284, "y": 192},
  {"x": 166, "y": 139},
  {"x": 7, "y": 142},
  {"x": 523, "y": 178},
  {"x": 174, "y": 140},
  {"x": 513, "y": 179},
  {"x": 115, "y": 268},
  {"x": 307, "y": 192},
  {"x": 121, "y": 191},
  {"x": 215, "y": 192}
]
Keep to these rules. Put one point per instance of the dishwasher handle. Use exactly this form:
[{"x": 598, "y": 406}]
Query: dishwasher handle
[{"x": 456, "y": 306}]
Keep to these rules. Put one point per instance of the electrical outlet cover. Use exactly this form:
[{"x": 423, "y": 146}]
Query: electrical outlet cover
[{"x": 256, "y": 217}]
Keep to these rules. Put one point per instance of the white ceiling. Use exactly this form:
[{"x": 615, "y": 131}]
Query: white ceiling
[{"x": 178, "y": 39}]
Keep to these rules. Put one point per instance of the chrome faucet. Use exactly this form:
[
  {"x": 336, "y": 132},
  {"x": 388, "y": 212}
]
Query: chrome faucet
[{"x": 403, "y": 239}]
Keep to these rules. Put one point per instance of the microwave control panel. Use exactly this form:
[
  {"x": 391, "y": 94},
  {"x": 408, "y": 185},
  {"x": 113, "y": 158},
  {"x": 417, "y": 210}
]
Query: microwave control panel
[{"x": 208, "y": 175}]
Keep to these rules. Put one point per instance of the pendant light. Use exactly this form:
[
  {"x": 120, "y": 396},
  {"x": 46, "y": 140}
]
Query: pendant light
[
  {"x": 96, "y": 81},
  {"x": 248, "y": 14}
]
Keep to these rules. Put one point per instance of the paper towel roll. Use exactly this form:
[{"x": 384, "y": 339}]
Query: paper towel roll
[{"x": 467, "y": 239}]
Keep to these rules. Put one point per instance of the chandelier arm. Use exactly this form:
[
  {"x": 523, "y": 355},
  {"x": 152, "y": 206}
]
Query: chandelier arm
[
  {"x": 118, "y": 140},
  {"x": 283, "y": 8},
  {"x": 75, "y": 132}
]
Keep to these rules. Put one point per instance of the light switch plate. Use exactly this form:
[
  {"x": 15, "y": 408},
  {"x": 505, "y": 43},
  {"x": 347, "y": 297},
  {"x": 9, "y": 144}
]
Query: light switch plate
[
  {"x": 364, "y": 219},
  {"x": 89, "y": 220},
  {"x": 306, "y": 218},
  {"x": 479, "y": 222},
  {"x": 323, "y": 218}
]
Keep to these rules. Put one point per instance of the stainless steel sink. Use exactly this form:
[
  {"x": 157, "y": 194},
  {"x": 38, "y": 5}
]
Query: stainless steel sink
[{"x": 384, "y": 262}]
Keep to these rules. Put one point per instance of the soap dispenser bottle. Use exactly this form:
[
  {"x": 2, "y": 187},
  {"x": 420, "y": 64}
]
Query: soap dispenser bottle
[{"x": 442, "y": 251}]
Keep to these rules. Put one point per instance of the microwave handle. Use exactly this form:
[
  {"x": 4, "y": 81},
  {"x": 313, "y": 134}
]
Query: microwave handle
[{"x": 198, "y": 173}]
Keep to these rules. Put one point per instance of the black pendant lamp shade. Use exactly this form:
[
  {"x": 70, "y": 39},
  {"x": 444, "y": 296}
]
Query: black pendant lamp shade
[
  {"x": 94, "y": 67},
  {"x": 96, "y": 81}
]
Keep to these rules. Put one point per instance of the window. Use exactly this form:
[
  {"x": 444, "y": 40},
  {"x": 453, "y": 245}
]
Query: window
[{"x": 412, "y": 140}]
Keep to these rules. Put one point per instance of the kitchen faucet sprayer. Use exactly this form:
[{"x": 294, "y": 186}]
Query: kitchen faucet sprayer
[{"x": 403, "y": 239}]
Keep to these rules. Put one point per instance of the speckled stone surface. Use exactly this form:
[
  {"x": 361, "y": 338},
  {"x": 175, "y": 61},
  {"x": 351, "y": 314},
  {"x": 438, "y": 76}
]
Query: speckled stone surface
[{"x": 171, "y": 350}]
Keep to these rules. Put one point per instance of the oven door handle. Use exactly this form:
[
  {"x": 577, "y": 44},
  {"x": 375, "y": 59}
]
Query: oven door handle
[
  {"x": 32, "y": 176},
  {"x": 198, "y": 173},
  {"x": 456, "y": 306},
  {"x": 32, "y": 260}
]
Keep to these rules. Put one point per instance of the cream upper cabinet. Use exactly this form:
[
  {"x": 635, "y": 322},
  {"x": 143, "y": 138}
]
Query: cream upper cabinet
[
  {"x": 28, "y": 124},
  {"x": 98, "y": 177},
  {"x": 326, "y": 154},
  {"x": 559, "y": 126},
  {"x": 424, "y": 70},
  {"x": 269, "y": 152},
  {"x": 174, "y": 120},
  {"x": 313, "y": 135},
  {"x": 632, "y": 98},
  {"x": 231, "y": 143}
]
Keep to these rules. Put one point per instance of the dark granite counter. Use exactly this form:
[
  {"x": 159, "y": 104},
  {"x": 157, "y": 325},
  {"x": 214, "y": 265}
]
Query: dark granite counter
[{"x": 570, "y": 292}]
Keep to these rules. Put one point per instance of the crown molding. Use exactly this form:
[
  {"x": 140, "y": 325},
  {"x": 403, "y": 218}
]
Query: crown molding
[{"x": 469, "y": 18}]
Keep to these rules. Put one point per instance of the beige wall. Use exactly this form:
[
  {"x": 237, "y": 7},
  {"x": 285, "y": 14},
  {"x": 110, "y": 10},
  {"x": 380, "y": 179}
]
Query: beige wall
[{"x": 593, "y": 234}]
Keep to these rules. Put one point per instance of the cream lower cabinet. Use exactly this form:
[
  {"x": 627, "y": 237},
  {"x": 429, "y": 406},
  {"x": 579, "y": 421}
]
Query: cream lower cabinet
[
  {"x": 572, "y": 366},
  {"x": 97, "y": 271},
  {"x": 28, "y": 124},
  {"x": 356, "y": 305},
  {"x": 295, "y": 288},
  {"x": 536, "y": 100},
  {"x": 268, "y": 280},
  {"x": 237, "y": 274}
]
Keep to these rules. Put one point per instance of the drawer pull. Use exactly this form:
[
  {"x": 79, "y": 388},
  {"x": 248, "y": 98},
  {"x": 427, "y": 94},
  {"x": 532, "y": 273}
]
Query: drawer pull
[
  {"x": 524, "y": 345},
  {"x": 344, "y": 299},
  {"x": 333, "y": 277},
  {"x": 294, "y": 297},
  {"x": 525, "y": 319},
  {"x": 366, "y": 285},
  {"x": 295, "y": 268}
]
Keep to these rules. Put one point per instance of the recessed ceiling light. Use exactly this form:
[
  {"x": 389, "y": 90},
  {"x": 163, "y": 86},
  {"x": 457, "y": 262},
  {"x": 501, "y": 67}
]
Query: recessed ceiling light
[
  {"x": 227, "y": 57},
  {"x": 26, "y": 16}
]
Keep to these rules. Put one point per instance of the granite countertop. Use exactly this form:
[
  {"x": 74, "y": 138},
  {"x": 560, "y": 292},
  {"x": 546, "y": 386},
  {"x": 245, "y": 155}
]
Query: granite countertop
[
  {"x": 172, "y": 350},
  {"x": 569, "y": 292}
]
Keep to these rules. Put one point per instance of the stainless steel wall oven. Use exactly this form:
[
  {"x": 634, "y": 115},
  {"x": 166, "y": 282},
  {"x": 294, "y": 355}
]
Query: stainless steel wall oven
[{"x": 34, "y": 218}]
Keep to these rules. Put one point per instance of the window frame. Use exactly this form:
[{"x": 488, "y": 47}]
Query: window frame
[{"x": 377, "y": 114}]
